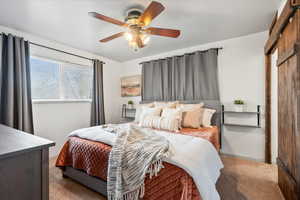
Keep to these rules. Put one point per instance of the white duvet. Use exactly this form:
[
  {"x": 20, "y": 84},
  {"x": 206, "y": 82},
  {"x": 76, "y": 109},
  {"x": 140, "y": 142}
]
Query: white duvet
[{"x": 196, "y": 156}]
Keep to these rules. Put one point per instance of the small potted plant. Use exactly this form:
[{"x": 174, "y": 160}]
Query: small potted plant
[
  {"x": 130, "y": 104},
  {"x": 239, "y": 105}
]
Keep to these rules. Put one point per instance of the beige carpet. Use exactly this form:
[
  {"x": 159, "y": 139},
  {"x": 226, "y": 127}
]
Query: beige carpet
[{"x": 240, "y": 180}]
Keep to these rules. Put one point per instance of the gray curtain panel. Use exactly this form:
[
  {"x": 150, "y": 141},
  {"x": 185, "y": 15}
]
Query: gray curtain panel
[
  {"x": 188, "y": 77},
  {"x": 15, "y": 83},
  {"x": 157, "y": 80},
  {"x": 97, "y": 112}
]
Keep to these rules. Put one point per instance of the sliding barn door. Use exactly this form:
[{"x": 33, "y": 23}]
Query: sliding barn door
[{"x": 289, "y": 109}]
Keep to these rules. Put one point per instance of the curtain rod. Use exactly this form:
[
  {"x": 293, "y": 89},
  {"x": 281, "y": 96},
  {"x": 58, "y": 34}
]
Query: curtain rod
[
  {"x": 217, "y": 48},
  {"x": 72, "y": 54}
]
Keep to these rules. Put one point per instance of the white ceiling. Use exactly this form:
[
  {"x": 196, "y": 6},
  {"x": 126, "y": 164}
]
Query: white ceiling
[{"x": 200, "y": 21}]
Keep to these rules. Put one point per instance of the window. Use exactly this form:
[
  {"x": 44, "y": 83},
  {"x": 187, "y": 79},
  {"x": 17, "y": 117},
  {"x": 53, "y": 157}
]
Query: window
[
  {"x": 58, "y": 80},
  {"x": 44, "y": 79}
]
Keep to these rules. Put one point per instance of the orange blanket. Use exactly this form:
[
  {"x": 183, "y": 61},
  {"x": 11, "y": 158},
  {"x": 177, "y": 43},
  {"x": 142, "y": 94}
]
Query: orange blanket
[{"x": 172, "y": 182}]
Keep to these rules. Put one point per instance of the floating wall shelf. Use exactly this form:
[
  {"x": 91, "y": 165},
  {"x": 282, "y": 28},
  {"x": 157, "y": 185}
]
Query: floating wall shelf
[
  {"x": 126, "y": 111},
  {"x": 257, "y": 113}
]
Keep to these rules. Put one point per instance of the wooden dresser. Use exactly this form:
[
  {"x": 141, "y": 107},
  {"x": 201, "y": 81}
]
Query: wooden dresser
[{"x": 24, "y": 165}]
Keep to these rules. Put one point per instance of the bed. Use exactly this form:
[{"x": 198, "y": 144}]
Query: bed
[{"x": 86, "y": 161}]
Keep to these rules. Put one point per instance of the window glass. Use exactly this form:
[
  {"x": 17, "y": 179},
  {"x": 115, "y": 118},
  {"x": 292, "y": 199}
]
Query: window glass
[
  {"x": 76, "y": 81},
  {"x": 44, "y": 79},
  {"x": 58, "y": 80}
]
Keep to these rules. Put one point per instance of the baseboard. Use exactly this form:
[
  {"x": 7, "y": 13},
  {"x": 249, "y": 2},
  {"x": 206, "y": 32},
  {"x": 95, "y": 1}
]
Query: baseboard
[{"x": 242, "y": 157}]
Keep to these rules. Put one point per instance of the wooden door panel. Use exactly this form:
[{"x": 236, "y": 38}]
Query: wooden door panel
[
  {"x": 287, "y": 102},
  {"x": 287, "y": 183},
  {"x": 289, "y": 36},
  {"x": 288, "y": 110}
]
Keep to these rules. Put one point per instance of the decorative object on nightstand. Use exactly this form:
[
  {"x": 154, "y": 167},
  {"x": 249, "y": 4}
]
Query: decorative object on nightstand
[
  {"x": 128, "y": 114},
  {"x": 130, "y": 104},
  {"x": 239, "y": 105},
  {"x": 235, "y": 112}
]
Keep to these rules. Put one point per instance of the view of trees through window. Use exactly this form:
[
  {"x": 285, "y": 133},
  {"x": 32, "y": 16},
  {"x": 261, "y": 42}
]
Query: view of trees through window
[{"x": 57, "y": 80}]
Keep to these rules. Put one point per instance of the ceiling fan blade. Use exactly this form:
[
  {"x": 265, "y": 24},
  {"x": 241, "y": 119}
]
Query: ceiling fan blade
[
  {"x": 107, "y": 19},
  {"x": 152, "y": 11},
  {"x": 163, "y": 32},
  {"x": 112, "y": 37}
]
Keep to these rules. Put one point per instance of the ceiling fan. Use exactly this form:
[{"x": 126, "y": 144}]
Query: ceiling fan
[{"x": 136, "y": 23}]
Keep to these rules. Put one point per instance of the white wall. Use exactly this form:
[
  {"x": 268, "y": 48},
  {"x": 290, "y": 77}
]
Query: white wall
[
  {"x": 54, "y": 120},
  {"x": 241, "y": 75}
]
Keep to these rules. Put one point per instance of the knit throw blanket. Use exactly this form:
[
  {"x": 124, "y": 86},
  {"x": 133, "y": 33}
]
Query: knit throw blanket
[{"x": 135, "y": 153}]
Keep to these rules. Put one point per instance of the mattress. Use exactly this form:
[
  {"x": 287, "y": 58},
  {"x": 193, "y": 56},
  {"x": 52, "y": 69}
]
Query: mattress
[{"x": 172, "y": 182}]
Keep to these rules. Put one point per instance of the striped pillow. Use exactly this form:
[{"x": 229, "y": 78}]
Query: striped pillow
[
  {"x": 207, "y": 117},
  {"x": 161, "y": 123}
]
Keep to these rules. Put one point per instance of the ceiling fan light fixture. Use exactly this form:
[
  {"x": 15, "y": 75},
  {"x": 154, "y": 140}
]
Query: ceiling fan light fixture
[
  {"x": 133, "y": 45},
  {"x": 128, "y": 36},
  {"x": 145, "y": 39}
]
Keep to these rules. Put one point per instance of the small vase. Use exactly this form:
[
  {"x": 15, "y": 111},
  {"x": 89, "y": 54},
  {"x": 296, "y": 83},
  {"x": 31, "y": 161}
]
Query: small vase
[
  {"x": 130, "y": 106},
  {"x": 239, "y": 108}
]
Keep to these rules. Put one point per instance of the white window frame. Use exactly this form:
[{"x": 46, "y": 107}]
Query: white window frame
[{"x": 47, "y": 101}]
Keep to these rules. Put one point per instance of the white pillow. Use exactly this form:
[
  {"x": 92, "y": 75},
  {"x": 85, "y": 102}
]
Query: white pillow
[
  {"x": 189, "y": 107},
  {"x": 171, "y": 112},
  {"x": 170, "y": 104},
  {"x": 139, "y": 110},
  {"x": 207, "y": 116},
  {"x": 150, "y": 112}
]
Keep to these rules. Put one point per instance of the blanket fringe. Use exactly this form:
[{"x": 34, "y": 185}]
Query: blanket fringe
[
  {"x": 133, "y": 195},
  {"x": 153, "y": 170}
]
